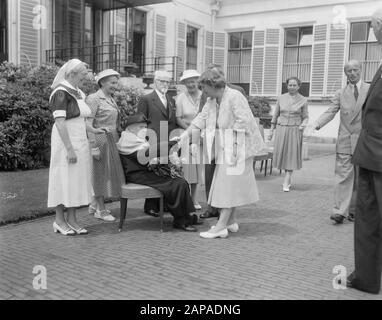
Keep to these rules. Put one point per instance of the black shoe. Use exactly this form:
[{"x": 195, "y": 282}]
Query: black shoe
[
  {"x": 210, "y": 214},
  {"x": 152, "y": 213},
  {"x": 351, "y": 283},
  {"x": 196, "y": 220},
  {"x": 337, "y": 218},
  {"x": 351, "y": 217},
  {"x": 185, "y": 228}
]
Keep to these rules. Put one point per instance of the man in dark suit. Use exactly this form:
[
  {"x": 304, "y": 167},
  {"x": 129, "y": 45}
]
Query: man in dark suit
[
  {"x": 368, "y": 156},
  {"x": 209, "y": 168},
  {"x": 159, "y": 108}
]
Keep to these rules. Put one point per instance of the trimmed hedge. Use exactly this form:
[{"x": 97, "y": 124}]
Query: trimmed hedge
[{"x": 25, "y": 117}]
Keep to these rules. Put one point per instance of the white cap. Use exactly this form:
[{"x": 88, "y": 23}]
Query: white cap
[
  {"x": 187, "y": 74},
  {"x": 162, "y": 75}
]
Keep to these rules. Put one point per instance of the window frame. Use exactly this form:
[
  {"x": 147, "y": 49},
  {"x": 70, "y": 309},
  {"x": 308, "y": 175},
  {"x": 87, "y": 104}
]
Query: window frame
[
  {"x": 242, "y": 50},
  {"x": 367, "y": 44},
  {"x": 307, "y": 84},
  {"x": 192, "y": 47}
]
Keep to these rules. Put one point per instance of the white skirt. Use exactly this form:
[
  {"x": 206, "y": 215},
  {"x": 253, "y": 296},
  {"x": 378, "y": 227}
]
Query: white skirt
[{"x": 70, "y": 184}]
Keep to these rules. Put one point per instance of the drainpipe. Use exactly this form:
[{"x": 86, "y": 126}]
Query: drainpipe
[{"x": 215, "y": 8}]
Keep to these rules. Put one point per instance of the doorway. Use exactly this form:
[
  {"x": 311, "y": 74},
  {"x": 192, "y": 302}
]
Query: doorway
[{"x": 3, "y": 31}]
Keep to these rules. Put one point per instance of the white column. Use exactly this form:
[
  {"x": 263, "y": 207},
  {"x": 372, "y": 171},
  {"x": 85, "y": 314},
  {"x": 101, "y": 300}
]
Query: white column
[{"x": 13, "y": 31}]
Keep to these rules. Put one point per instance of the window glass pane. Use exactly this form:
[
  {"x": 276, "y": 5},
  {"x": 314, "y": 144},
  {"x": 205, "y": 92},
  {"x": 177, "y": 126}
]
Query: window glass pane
[
  {"x": 192, "y": 37},
  {"x": 358, "y": 51},
  {"x": 139, "y": 21},
  {"x": 291, "y": 37},
  {"x": 359, "y": 31},
  {"x": 306, "y": 36},
  {"x": 247, "y": 39},
  {"x": 234, "y": 40}
]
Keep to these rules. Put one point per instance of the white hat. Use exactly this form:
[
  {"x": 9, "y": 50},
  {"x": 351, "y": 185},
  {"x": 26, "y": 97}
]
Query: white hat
[
  {"x": 187, "y": 74},
  {"x": 64, "y": 71},
  {"x": 162, "y": 75},
  {"x": 106, "y": 73}
]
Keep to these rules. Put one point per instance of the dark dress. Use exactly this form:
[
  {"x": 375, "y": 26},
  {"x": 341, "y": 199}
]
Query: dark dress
[{"x": 176, "y": 190}]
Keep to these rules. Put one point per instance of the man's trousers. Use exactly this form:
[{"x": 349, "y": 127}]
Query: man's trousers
[
  {"x": 368, "y": 231},
  {"x": 345, "y": 189}
]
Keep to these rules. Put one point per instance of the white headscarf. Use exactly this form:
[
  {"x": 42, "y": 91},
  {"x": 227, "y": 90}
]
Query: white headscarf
[{"x": 64, "y": 71}]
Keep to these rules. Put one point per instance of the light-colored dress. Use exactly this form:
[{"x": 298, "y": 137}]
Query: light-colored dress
[
  {"x": 187, "y": 109},
  {"x": 232, "y": 186},
  {"x": 107, "y": 175},
  {"x": 70, "y": 184},
  {"x": 291, "y": 112}
]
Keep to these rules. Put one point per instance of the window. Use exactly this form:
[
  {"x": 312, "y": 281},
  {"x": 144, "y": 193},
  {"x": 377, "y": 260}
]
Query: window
[
  {"x": 239, "y": 58},
  {"x": 298, "y": 56},
  {"x": 364, "y": 48},
  {"x": 192, "y": 48},
  {"x": 3, "y": 31}
]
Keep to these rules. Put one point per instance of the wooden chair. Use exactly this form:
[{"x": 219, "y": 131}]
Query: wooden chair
[
  {"x": 264, "y": 157},
  {"x": 132, "y": 191}
]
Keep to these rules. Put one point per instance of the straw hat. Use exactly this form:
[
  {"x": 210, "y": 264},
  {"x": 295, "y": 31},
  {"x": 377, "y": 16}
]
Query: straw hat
[
  {"x": 187, "y": 74},
  {"x": 106, "y": 73}
]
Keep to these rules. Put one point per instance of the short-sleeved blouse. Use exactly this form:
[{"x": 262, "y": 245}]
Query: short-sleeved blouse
[
  {"x": 186, "y": 107},
  {"x": 105, "y": 111},
  {"x": 64, "y": 105}
]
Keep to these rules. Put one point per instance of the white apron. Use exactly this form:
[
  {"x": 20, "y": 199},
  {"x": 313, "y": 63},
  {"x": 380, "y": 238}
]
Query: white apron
[{"x": 70, "y": 184}]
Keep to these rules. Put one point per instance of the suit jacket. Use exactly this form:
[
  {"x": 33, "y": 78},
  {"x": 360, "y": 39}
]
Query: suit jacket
[
  {"x": 368, "y": 152},
  {"x": 350, "y": 116},
  {"x": 234, "y": 113},
  {"x": 152, "y": 107}
]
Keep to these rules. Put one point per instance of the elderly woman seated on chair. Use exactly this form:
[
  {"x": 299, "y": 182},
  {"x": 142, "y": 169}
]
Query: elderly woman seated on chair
[{"x": 142, "y": 166}]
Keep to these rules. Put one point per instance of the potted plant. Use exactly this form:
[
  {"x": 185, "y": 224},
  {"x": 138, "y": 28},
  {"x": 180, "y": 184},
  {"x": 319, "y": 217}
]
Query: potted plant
[
  {"x": 130, "y": 68},
  {"x": 148, "y": 79}
]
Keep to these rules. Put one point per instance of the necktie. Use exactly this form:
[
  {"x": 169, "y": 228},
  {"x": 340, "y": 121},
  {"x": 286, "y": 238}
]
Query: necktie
[{"x": 356, "y": 92}]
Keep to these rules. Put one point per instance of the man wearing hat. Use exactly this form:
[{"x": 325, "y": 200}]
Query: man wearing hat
[
  {"x": 136, "y": 155},
  {"x": 159, "y": 109}
]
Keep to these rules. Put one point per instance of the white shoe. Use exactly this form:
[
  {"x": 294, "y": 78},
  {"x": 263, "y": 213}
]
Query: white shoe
[
  {"x": 197, "y": 206},
  {"x": 104, "y": 215},
  {"x": 92, "y": 210},
  {"x": 210, "y": 235},
  {"x": 231, "y": 228},
  {"x": 80, "y": 231},
  {"x": 58, "y": 229},
  {"x": 286, "y": 188}
]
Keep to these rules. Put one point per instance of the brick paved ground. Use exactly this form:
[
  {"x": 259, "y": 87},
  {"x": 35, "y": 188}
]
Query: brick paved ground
[{"x": 286, "y": 249}]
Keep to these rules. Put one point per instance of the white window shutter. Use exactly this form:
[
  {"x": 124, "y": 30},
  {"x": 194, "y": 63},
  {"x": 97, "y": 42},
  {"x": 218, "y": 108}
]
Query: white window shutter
[
  {"x": 208, "y": 58},
  {"x": 271, "y": 62},
  {"x": 160, "y": 35},
  {"x": 257, "y": 62},
  {"x": 220, "y": 49},
  {"x": 29, "y": 37},
  {"x": 336, "y": 59},
  {"x": 181, "y": 37},
  {"x": 319, "y": 60}
]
